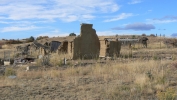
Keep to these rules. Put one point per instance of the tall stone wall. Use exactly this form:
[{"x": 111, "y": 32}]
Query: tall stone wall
[
  {"x": 87, "y": 45},
  {"x": 77, "y": 48}
]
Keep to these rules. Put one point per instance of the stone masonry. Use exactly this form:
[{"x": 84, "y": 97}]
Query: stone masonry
[{"x": 87, "y": 45}]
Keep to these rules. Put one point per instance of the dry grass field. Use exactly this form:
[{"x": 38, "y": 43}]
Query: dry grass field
[{"x": 138, "y": 74}]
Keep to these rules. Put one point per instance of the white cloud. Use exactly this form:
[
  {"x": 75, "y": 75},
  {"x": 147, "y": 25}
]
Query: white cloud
[
  {"x": 106, "y": 33},
  {"x": 88, "y": 17},
  {"x": 166, "y": 19},
  {"x": 135, "y": 2},
  {"x": 64, "y": 10},
  {"x": 136, "y": 27},
  {"x": 22, "y": 22},
  {"x": 50, "y": 34},
  {"x": 18, "y": 28},
  {"x": 4, "y": 22},
  {"x": 160, "y": 21},
  {"x": 1, "y": 17},
  {"x": 119, "y": 17},
  {"x": 113, "y": 33},
  {"x": 54, "y": 33}
]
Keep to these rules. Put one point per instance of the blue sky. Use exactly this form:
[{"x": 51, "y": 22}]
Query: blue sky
[{"x": 24, "y": 18}]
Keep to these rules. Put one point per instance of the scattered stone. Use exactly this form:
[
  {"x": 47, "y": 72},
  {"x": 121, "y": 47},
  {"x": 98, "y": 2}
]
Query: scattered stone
[{"x": 12, "y": 76}]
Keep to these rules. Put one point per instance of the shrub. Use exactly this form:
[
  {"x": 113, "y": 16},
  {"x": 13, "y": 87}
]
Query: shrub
[
  {"x": 31, "y": 39},
  {"x": 155, "y": 57},
  {"x": 133, "y": 37},
  {"x": 12, "y": 41},
  {"x": 72, "y": 34},
  {"x": 143, "y": 34},
  {"x": 152, "y": 35},
  {"x": 10, "y": 71},
  {"x": 42, "y": 37},
  {"x": 169, "y": 94}
]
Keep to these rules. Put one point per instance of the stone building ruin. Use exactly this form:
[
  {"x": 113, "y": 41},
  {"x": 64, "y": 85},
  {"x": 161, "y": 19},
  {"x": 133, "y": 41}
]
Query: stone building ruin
[
  {"x": 143, "y": 40},
  {"x": 110, "y": 47},
  {"x": 128, "y": 41},
  {"x": 46, "y": 48},
  {"x": 87, "y": 44},
  {"x": 64, "y": 47}
]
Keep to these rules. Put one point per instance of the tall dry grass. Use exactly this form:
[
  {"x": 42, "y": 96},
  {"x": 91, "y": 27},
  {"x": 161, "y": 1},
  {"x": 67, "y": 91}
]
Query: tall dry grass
[
  {"x": 116, "y": 79},
  {"x": 119, "y": 79},
  {"x": 132, "y": 78}
]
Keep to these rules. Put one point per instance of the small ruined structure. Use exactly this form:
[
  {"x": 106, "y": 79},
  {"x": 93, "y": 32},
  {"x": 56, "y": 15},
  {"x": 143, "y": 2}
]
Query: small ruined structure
[
  {"x": 22, "y": 60},
  {"x": 110, "y": 47},
  {"x": 131, "y": 42},
  {"x": 87, "y": 45},
  {"x": 143, "y": 40},
  {"x": 128, "y": 41},
  {"x": 66, "y": 47},
  {"x": 24, "y": 50},
  {"x": 54, "y": 46},
  {"x": 41, "y": 49},
  {"x": 47, "y": 44},
  {"x": 47, "y": 47}
]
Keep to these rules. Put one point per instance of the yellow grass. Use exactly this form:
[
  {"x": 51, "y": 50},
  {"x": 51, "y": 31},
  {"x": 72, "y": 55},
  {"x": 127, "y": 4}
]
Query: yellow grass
[
  {"x": 119, "y": 72},
  {"x": 120, "y": 79}
]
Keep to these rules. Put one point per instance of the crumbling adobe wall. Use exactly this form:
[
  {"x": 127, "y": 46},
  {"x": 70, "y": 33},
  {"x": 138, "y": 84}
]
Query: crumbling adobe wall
[
  {"x": 70, "y": 48},
  {"x": 103, "y": 47},
  {"x": 114, "y": 48},
  {"x": 42, "y": 51},
  {"x": 110, "y": 48},
  {"x": 77, "y": 48},
  {"x": 87, "y": 45},
  {"x": 63, "y": 48}
]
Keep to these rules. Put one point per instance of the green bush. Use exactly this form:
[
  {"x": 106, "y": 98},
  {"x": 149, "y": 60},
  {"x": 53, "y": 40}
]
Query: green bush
[
  {"x": 31, "y": 39},
  {"x": 133, "y": 37},
  {"x": 72, "y": 34},
  {"x": 155, "y": 57}
]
